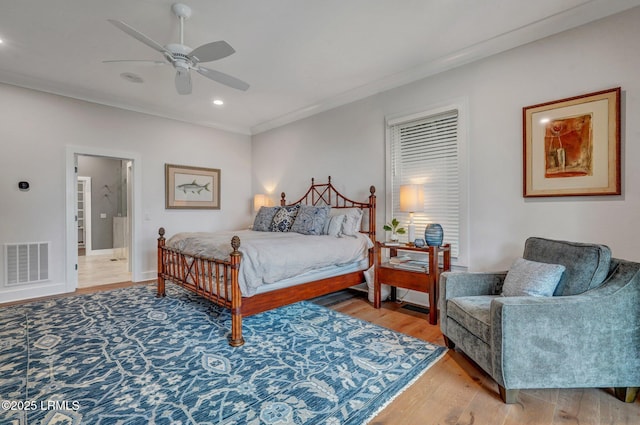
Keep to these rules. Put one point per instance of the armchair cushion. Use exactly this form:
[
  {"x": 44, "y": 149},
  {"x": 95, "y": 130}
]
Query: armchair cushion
[
  {"x": 532, "y": 278},
  {"x": 474, "y": 314},
  {"x": 587, "y": 265}
]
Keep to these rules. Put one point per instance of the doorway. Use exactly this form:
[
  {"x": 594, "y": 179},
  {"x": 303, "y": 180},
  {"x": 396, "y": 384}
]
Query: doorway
[
  {"x": 118, "y": 199},
  {"x": 103, "y": 216}
]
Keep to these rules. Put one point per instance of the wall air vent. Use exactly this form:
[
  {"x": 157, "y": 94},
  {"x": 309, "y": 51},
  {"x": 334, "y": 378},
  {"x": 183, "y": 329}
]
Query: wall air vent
[{"x": 26, "y": 262}]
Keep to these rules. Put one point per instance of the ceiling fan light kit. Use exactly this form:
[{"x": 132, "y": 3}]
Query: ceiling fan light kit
[{"x": 183, "y": 58}]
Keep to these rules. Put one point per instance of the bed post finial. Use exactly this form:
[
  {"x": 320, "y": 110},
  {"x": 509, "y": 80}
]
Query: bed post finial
[
  {"x": 235, "y": 243},
  {"x": 372, "y": 190},
  {"x": 282, "y": 201},
  {"x": 329, "y": 179},
  {"x": 313, "y": 181},
  {"x": 161, "y": 232}
]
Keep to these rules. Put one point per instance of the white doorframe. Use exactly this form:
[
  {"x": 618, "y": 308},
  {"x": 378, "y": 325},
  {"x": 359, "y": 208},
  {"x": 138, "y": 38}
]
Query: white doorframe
[
  {"x": 129, "y": 212},
  {"x": 71, "y": 204}
]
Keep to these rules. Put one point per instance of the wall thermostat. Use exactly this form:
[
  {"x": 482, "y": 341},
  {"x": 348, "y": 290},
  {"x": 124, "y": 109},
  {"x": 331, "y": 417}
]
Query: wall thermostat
[{"x": 23, "y": 185}]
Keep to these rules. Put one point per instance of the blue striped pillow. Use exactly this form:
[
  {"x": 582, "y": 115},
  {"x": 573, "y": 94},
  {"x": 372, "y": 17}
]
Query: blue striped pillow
[
  {"x": 333, "y": 225},
  {"x": 264, "y": 218}
]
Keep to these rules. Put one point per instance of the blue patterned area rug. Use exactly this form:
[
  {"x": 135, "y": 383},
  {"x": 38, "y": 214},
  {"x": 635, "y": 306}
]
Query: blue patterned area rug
[{"x": 127, "y": 357}]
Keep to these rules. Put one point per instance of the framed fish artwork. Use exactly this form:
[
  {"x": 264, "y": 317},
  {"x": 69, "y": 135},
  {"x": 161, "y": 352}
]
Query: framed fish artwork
[{"x": 191, "y": 187}]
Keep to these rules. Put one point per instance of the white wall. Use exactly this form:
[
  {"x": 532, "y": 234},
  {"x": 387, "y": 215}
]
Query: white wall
[
  {"x": 348, "y": 142},
  {"x": 35, "y": 131}
]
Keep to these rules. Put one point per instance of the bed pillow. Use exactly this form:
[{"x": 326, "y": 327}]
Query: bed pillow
[
  {"x": 264, "y": 217},
  {"x": 310, "y": 220},
  {"x": 284, "y": 218},
  {"x": 526, "y": 278},
  {"x": 352, "y": 222},
  {"x": 333, "y": 225}
]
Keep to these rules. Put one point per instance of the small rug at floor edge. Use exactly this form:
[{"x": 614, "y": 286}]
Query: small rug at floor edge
[{"x": 127, "y": 357}]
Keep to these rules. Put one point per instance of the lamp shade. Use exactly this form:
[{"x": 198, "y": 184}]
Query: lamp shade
[
  {"x": 260, "y": 200},
  {"x": 411, "y": 197}
]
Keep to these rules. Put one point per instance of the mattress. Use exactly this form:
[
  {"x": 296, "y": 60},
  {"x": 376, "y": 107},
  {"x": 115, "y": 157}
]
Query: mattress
[{"x": 272, "y": 260}]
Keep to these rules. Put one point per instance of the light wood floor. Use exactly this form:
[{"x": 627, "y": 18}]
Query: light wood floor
[
  {"x": 94, "y": 270},
  {"x": 456, "y": 392}
]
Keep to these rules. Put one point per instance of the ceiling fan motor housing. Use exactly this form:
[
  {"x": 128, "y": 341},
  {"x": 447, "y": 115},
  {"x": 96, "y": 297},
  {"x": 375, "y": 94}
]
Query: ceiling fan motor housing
[
  {"x": 178, "y": 49},
  {"x": 180, "y": 56}
]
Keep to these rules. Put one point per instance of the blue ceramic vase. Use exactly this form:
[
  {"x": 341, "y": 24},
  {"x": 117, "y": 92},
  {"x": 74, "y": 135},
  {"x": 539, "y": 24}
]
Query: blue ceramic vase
[{"x": 434, "y": 234}]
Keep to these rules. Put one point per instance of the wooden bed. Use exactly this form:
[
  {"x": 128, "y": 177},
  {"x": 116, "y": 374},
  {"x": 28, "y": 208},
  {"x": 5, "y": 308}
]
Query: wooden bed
[{"x": 217, "y": 280}]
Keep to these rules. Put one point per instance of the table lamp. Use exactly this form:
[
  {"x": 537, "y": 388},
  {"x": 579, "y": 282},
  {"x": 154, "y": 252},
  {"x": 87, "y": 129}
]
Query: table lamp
[
  {"x": 411, "y": 200},
  {"x": 260, "y": 200}
]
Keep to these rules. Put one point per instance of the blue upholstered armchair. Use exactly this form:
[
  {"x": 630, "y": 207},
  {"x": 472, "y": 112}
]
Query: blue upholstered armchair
[{"x": 586, "y": 333}]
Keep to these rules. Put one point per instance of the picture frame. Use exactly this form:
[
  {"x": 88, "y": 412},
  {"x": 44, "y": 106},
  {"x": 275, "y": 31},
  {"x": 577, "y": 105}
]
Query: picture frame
[
  {"x": 571, "y": 146},
  {"x": 189, "y": 187}
]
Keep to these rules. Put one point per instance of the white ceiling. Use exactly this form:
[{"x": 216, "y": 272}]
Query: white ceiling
[{"x": 300, "y": 56}]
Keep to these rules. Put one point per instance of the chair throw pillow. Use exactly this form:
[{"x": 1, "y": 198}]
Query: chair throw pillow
[
  {"x": 530, "y": 278},
  {"x": 264, "y": 217},
  {"x": 310, "y": 220},
  {"x": 284, "y": 218}
]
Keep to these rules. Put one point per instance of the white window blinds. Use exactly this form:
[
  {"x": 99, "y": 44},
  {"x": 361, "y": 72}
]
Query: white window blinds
[{"x": 424, "y": 150}]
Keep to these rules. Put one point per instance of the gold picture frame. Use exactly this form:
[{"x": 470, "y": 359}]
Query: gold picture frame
[
  {"x": 572, "y": 146},
  {"x": 191, "y": 187}
]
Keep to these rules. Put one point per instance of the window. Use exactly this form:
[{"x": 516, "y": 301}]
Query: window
[{"x": 424, "y": 149}]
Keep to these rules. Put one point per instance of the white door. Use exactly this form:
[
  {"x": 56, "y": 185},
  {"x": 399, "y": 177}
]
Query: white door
[{"x": 83, "y": 212}]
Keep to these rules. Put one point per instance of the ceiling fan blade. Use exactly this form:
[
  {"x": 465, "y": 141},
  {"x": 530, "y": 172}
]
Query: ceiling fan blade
[
  {"x": 212, "y": 51},
  {"x": 183, "y": 81},
  {"x": 142, "y": 61},
  {"x": 223, "y": 78},
  {"x": 139, "y": 36}
]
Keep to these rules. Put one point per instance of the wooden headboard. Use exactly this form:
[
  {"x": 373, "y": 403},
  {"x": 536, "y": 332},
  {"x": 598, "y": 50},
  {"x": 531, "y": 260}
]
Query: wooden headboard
[{"x": 326, "y": 194}]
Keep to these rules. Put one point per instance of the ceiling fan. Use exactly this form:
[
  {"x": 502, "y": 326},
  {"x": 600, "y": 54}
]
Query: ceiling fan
[{"x": 183, "y": 58}]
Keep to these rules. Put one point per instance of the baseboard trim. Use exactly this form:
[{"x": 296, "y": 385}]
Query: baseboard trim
[
  {"x": 12, "y": 294},
  {"x": 148, "y": 275},
  {"x": 108, "y": 251}
]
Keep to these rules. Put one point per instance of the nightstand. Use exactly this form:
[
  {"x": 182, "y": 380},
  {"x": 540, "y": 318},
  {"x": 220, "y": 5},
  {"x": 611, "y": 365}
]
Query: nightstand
[{"x": 410, "y": 274}]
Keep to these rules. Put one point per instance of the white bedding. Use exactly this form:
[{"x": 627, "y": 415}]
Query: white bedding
[{"x": 269, "y": 257}]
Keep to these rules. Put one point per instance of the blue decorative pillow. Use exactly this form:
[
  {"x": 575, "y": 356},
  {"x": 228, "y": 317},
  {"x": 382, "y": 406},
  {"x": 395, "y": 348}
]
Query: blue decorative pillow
[
  {"x": 526, "y": 278},
  {"x": 264, "y": 218},
  {"x": 310, "y": 220},
  {"x": 284, "y": 218}
]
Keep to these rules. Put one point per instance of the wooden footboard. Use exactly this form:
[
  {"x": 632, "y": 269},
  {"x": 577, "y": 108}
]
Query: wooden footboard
[{"x": 215, "y": 280}]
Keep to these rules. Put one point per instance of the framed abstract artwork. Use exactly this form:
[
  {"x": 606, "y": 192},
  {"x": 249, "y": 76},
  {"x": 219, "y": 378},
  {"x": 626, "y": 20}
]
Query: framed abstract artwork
[
  {"x": 572, "y": 146},
  {"x": 191, "y": 187}
]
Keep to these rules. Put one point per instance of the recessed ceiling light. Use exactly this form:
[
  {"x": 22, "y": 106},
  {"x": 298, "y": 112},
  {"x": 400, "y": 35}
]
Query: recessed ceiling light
[{"x": 218, "y": 102}]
